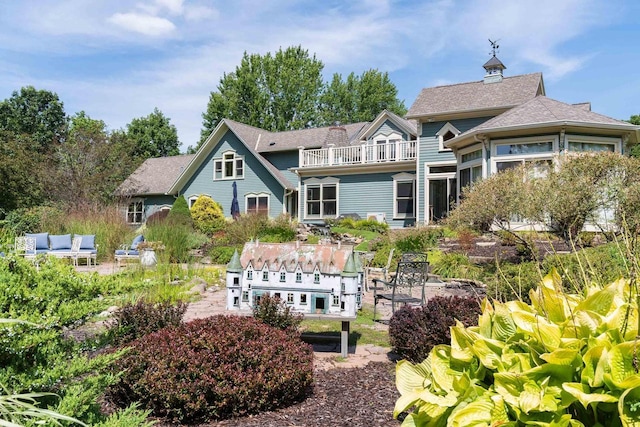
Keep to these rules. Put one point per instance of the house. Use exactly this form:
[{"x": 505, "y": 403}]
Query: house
[
  {"x": 403, "y": 171},
  {"x": 322, "y": 279}
]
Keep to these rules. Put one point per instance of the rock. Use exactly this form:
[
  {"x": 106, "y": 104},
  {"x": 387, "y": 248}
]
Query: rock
[{"x": 198, "y": 289}]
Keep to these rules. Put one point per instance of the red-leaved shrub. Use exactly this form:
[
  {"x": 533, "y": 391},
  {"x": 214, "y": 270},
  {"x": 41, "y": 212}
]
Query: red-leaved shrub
[
  {"x": 413, "y": 332},
  {"x": 214, "y": 368},
  {"x": 133, "y": 321}
]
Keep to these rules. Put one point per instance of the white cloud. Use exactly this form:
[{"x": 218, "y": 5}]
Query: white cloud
[{"x": 143, "y": 24}]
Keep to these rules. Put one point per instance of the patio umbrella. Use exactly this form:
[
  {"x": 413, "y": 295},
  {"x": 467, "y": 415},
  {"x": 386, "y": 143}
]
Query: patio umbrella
[{"x": 235, "y": 207}]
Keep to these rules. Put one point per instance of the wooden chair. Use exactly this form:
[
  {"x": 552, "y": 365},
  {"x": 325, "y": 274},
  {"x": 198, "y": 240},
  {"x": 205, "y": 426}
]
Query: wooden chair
[{"x": 410, "y": 279}]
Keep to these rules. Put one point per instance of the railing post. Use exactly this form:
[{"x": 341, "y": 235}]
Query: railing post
[
  {"x": 330, "y": 159},
  {"x": 301, "y": 157}
]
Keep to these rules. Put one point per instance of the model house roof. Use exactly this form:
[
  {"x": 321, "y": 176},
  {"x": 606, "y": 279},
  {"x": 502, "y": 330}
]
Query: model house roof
[
  {"x": 154, "y": 176},
  {"x": 329, "y": 259},
  {"x": 476, "y": 96}
]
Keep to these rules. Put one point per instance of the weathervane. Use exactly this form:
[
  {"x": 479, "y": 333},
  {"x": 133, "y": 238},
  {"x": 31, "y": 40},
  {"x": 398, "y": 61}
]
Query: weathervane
[{"x": 494, "y": 47}]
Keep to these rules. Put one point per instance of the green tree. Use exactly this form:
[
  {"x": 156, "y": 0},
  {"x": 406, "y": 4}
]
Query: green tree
[
  {"x": 359, "y": 98},
  {"x": 635, "y": 120},
  {"x": 180, "y": 212},
  {"x": 36, "y": 113},
  {"x": 274, "y": 92},
  {"x": 207, "y": 214},
  {"x": 153, "y": 136}
]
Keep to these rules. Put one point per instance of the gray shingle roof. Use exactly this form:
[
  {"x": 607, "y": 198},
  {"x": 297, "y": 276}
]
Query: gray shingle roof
[
  {"x": 154, "y": 176},
  {"x": 307, "y": 138},
  {"x": 458, "y": 98},
  {"x": 541, "y": 110}
]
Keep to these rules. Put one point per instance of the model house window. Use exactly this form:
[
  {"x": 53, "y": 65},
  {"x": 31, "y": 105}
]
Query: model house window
[
  {"x": 303, "y": 299},
  {"x": 265, "y": 276},
  {"x": 249, "y": 274},
  {"x": 257, "y": 204},
  {"x": 276, "y": 295},
  {"x": 289, "y": 298},
  {"x": 236, "y": 301},
  {"x": 321, "y": 199},
  {"x": 230, "y": 166},
  {"x": 283, "y": 276},
  {"x": 298, "y": 277},
  {"x": 135, "y": 212},
  {"x": 316, "y": 277},
  {"x": 336, "y": 300},
  {"x": 446, "y": 133},
  {"x": 245, "y": 296}
]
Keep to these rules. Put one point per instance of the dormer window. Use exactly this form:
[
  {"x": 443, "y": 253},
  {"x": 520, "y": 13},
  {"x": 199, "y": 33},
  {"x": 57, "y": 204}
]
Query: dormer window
[{"x": 446, "y": 133}]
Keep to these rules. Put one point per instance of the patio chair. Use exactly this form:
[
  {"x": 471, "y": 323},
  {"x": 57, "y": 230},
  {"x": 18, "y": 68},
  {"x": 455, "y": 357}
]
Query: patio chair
[
  {"x": 410, "y": 278},
  {"x": 126, "y": 252},
  {"x": 25, "y": 246},
  {"x": 88, "y": 249}
]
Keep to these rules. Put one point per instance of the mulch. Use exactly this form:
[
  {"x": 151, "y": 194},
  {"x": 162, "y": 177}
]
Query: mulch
[{"x": 341, "y": 397}]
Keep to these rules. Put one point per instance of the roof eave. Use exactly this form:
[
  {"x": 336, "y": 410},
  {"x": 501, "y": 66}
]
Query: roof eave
[{"x": 459, "y": 114}]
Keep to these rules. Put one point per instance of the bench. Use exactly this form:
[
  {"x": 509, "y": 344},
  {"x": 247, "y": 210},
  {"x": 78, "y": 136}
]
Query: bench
[{"x": 410, "y": 279}]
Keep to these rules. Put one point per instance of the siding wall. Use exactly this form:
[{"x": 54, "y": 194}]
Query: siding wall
[
  {"x": 387, "y": 128},
  {"x": 256, "y": 179},
  {"x": 364, "y": 194},
  {"x": 283, "y": 161}
]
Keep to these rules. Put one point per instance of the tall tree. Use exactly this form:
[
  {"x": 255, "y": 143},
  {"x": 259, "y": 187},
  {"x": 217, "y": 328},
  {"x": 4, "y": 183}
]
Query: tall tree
[
  {"x": 20, "y": 173},
  {"x": 153, "y": 136},
  {"x": 359, "y": 98},
  {"x": 37, "y": 113},
  {"x": 635, "y": 120},
  {"x": 274, "y": 92}
]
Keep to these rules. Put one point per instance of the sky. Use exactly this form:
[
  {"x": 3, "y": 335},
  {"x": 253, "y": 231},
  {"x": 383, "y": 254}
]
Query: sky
[{"x": 118, "y": 60}]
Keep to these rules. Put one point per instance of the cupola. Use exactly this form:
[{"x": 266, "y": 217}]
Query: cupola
[{"x": 493, "y": 66}]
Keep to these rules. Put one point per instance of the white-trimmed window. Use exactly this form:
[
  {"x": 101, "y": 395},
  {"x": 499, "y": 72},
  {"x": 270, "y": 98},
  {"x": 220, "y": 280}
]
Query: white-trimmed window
[
  {"x": 245, "y": 296},
  {"x": 290, "y": 298},
  {"x": 283, "y": 276},
  {"x": 470, "y": 169},
  {"x": 335, "y": 300},
  {"x": 249, "y": 273},
  {"x": 135, "y": 212},
  {"x": 383, "y": 147},
  {"x": 191, "y": 200},
  {"x": 447, "y": 132},
  {"x": 265, "y": 275},
  {"x": 230, "y": 166},
  {"x": 510, "y": 153},
  {"x": 404, "y": 195},
  {"x": 321, "y": 198},
  {"x": 298, "y": 277},
  {"x": 316, "y": 277},
  {"x": 303, "y": 299},
  {"x": 257, "y": 203},
  {"x": 590, "y": 144}
]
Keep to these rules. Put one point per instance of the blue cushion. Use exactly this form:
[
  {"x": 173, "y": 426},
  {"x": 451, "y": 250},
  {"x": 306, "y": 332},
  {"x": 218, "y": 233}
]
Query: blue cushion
[
  {"x": 124, "y": 252},
  {"x": 88, "y": 241},
  {"x": 42, "y": 239},
  {"x": 60, "y": 242},
  {"x": 136, "y": 241}
]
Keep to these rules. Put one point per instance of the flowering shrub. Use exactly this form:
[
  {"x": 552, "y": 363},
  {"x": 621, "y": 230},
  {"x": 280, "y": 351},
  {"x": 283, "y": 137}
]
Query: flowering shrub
[
  {"x": 214, "y": 368},
  {"x": 564, "y": 360},
  {"x": 136, "y": 320},
  {"x": 413, "y": 332}
]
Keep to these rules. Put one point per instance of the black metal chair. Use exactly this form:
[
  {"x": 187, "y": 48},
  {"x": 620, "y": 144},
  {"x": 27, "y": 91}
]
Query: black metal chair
[{"x": 411, "y": 275}]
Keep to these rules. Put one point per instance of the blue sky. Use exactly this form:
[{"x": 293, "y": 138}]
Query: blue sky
[{"x": 118, "y": 60}]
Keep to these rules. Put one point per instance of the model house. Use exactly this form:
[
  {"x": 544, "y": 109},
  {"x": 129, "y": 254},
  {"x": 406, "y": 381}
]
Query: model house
[
  {"x": 401, "y": 170},
  {"x": 317, "y": 279}
]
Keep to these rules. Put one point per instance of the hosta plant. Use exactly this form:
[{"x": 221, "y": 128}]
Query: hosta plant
[{"x": 564, "y": 360}]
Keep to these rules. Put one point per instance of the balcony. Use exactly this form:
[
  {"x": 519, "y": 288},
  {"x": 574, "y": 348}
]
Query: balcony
[{"x": 359, "y": 154}]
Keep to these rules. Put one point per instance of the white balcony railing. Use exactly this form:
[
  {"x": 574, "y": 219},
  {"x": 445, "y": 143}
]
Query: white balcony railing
[{"x": 359, "y": 154}]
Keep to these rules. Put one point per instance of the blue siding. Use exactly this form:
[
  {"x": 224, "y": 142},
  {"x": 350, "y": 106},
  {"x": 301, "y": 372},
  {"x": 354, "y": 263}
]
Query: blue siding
[
  {"x": 364, "y": 194},
  {"x": 388, "y": 127},
  {"x": 284, "y": 160},
  {"x": 257, "y": 179},
  {"x": 152, "y": 204}
]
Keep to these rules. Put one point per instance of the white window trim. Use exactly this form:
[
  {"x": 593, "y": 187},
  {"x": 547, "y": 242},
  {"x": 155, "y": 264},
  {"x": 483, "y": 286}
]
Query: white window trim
[
  {"x": 448, "y": 127},
  {"x": 192, "y": 199},
  {"x": 549, "y": 155},
  {"x": 256, "y": 195},
  {"x": 393, "y": 136},
  {"x": 616, "y": 142},
  {"x": 470, "y": 164},
  {"x": 135, "y": 212},
  {"x": 222, "y": 160},
  {"x": 315, "y": 182},
  {"x": 398, "y": 178}
]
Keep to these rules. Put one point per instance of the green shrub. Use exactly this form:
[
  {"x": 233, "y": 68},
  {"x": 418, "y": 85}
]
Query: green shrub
[
  {"x": 180, "y": 212},
  {"x": 34, "y": 220},
  {"x": 278, "y": 230},
  {"x": 413, "y": 332},
  {"x": 222, "y": 254},
  {"x": 564, "y": 360},
  {"x": 133, "y": 321},
  {"x": 214, "y": 368},
  {"x": 275, "y": 312},
  {"x": 417, "y": 240},
  {"x": 208, "y": 215},
  {"x": 453, "y": 264}
]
